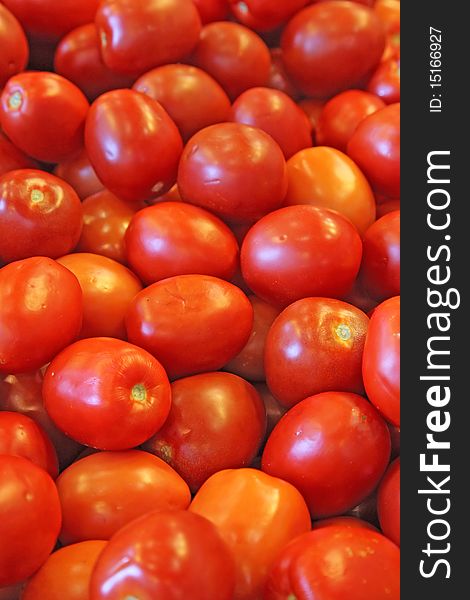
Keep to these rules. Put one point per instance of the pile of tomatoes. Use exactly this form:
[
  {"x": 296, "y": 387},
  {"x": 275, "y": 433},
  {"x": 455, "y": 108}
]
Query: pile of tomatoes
[{"x": 199, "y": 299}]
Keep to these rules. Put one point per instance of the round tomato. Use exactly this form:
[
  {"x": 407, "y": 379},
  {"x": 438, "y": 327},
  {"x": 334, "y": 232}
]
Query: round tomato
[
  {"x": 95, "y": 385},
  {"x": 78, "y": 172},
  {"x": 12, "y": 158},
  {"x": 388, "y": 502},
  {"x": 265, "y": 14},
  {"x": 385, "y": 81},
  {"x": 14, "y": 45},
  {"x": 212, "y": 10}
]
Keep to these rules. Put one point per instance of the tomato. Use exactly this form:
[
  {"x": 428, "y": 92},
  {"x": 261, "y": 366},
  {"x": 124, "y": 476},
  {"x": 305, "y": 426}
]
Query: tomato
[
  {"x": 312, "y": 108},
  {"x": 66, "y": 573},
  {"x": 334, "y": 563},
  {"x": 212, "y": 10},
  {"x": 12, "y": 158},
  {"x": 187, "y": 322},
  {"x": 277, "y": 114},
  {"x": 173, "y": 238},
  {"x": 14, "y": 45},
  {"x": 385, "y": 81},
  {"x": 103, "y": 492},
  {"x": 133, "y": 144},
  {"x": 30, "y": 518},
  {"x": 375, "y": 148},
  {"x": 190, "y": 96},
  {"x": 395, "y": 436},
  {"x": 383, "y": 208},
  {"x": 332, "y": 46},
  {"x": 78, "y": 58},
  {"x": 234, "y": 56},
  {"x": 137, "y": 36},
  {"x": 40, "y": 214},
  {"x": 41, "y": 313},
  {"x": 380, "y": 269},
  {"x": 274, "y": 409},
  {"x": 108, "y": 288},
  {"x": 95, "y": 385},
  {"x": 168, "y": 555},
  {"x": 344, "y": 522},
  {"x": 265, "y": 14},
  {"x": 342, "y": 114},
  {"x": 381, "y": 362},
  {"x": 256, "y": 515},
  {"x": 388, "y": 12},
  {"x": 388, "y": 502},
  {"x": 217, "y": 421},
  {"x": 278, "y": 78},
  {"x": 300, "y": 251},
  {"x": 78, "y": 172},
  {"x": 315, "y": 447}
]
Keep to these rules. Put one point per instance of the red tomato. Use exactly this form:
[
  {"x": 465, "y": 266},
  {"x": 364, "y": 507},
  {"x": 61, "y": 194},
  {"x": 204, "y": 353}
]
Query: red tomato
[
  {"x": 332, "y": 46},
  {"x": 304, "y": 342},
  {"x": 217, "y": 421},
  {"x": 381, "y": 362},
  {"x": 383, "y": 208},
  {"x": 137, "y": 36},
  {"x": 274, "y": 409},
  {"x": 25, "y": 100},
  {"x": 168, "y": 556},
  {"x": 190, "y": 96},
  {"x": 108, "y": 288},
  {"x": 133, "y": 144},
  {"x": 380, "y": 269},
  {"x": 327, "y": 178},
  {"x": 12, "y": 158},
  {"x": 234, "y": 55},
  {"x": 388, "y": 502},
  {"x": 344, "y": 522},
  {"x": 342, "y": 114},
  {"x": 41, "y": 313},
  {"x": 315, "y": 447},
  {"x": 388, "y": 12},
  {"x": 173, "y": 238},
  {"x": 78, "y": 172},
  {"x": 335, "y": 563},
  {"x": 39, "y": 215},
  {"x": 301, "y": 251},
  {"x": 265, "y": 14},
  {"x": 395, "y": 437},
  {"x": 278, "y": 78},
  {"x": 78, "y": 58},
  {"x": 103, "y": 492},
  {"x": 188, "y": 323},
  {"x": 212, "y": 10},
  {"x": 95, "y": 385},
  {"x": 257, "y": 515},
  {"x": 375, "y": 148},
  {"x": 14, "y": 45},
  {"x": 277, "y": 114},
  {"x": 30, "y": 523},
  {"x": 385, "y": 81},
  {"x": 313, "y": 109},
  {"x": 66, "y": 573}
]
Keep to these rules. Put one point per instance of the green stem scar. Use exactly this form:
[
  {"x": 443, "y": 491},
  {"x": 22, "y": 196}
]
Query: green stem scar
[
  {"x": 139, "y": 392},
  {"x": 37, "y": 196},
  {"x": 15, "y": 101},
  {"x": 343, "y": 332}
]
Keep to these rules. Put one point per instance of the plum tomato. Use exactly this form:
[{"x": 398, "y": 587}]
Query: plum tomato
[
  {"x": 40, "y": 214},
  {"x": 30, "y": 521},
  {"x": 217, "y": 421},
  {"x": 305, "y": 340},
  {"x": 333, "y": 447},
  {"x": 264, "y": 15},
  {"x": 187, "y": 322},
  {"x": 212, "y": 10},
  {"x": 12, "y": 158},
  {"x": 301, "y": 251},
  {"x": 332, "y": 46},
  {"x": 388, "y": 502},
  {"x": 78, "y": 172},
  {"x": 256, "y": 515},
  {"x": 25, "y": 100},
  {"x": 41, "y": 313},
  {"x": 133, "y": 145},
  {"x": 95, "y": 385},
  {"x": 381, "y": 361},
  {"x": 174, "y": 238},
  {"x": 14, "y": 45},
  {"x": 102, "y": 492},
  {"x": 385, "y": 82},
  {"x": 108, "y": 288}
]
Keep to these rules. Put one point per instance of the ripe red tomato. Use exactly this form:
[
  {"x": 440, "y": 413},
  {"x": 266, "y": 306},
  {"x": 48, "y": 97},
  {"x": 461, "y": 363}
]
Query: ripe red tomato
[
  {"x": 388, "y": 12},
  {"x": 234, "y": 55},
  {"x": 278, "y": 78},
  {"x": 95, "y": 385},
  {"x": 40, "y": 214},
  {"x": 66, "y": 573},
  {"x": 30, "y": 521},
  {"x": 381, "y": 362},
  {"x": 78, "y": 172},
  {"x": 212, "y": 10},
  {"x": 303, "y": 343},
  {"x": 12, "y": 158},
  {"x": 101, "y": 493},
  {"x": 385, "y": 81},
  {"x": 265, "y": 14},
  {"x": 388, "y": 502},
  {"x": 217, "y": 421},
  {"x": 173, "y": 238},
  {"x": 133, "y": 144},
  {"x": 315, "y": 447},
  {"x": 25, "y": 100},
  {"x": 166, "y": 555},
  {"x": 256, "y": 515},
  {"x": 108, "y": 288},
  {"x": 41, "y": 313},
  {"x": 337, "y": 562},
  {"x": 190, "y": 96},
  {"x": 332, "y": 46},
  {"x": 344, "y": 521},
  {"x": 14, "y": 45},
  {"x": 188, "y": 323},
  {"x": 274, "y": 409},
  {"x": 137, "y": 36},
  {"x": 301, "y": 251}
]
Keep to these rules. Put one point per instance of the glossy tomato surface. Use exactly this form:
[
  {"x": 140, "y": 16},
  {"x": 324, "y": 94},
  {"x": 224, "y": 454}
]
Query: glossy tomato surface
[
  {"x": 388, "y": 502},
  {"x": 14, "y": 45},
  {"x": 265, "y": 14},
  {"x": 12, "y": 158},
  {"x": 78, "y": 172},
  {"x": 385, "y": 81}
]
